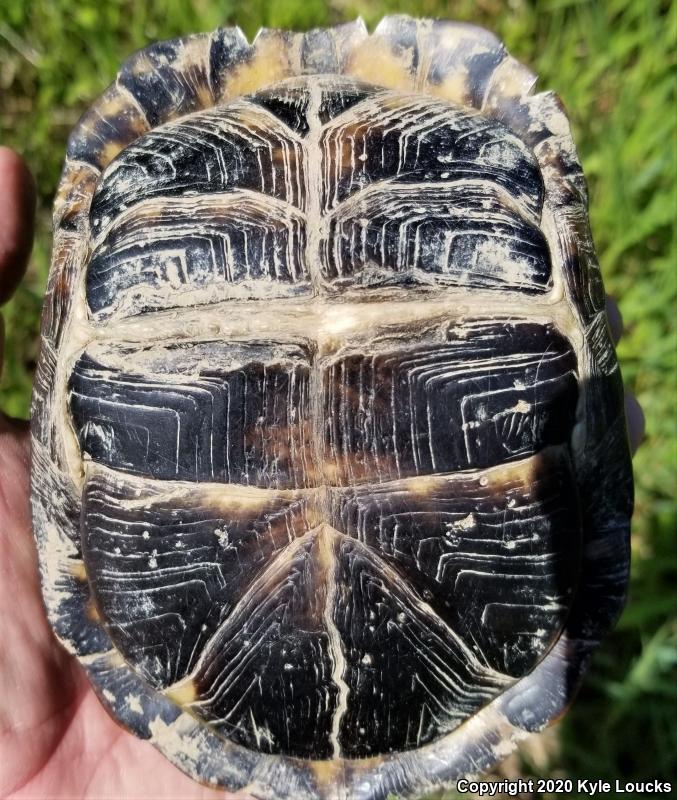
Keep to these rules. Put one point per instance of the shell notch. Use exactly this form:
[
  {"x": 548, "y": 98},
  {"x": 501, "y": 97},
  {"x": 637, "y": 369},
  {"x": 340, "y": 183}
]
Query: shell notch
[{"x": 327, "y": 414}]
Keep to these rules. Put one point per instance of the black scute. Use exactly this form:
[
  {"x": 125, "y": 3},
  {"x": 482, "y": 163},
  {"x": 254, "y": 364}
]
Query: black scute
[
  {"x": 412, "y": 142},
  {"x": 492, "y": 393},
  {"x": 238, "y": 425},
  {"x": 266, "y": 680},
  {"x": 167, "y": 571},
  {"x": 497, "y": 562},
  {"x": 215, "y": 247},
  {"x": 291, "y": 103},
  {"x": 410, "y": 680},
  {"x": 196, "y": 155},
  {"x": 290, "y": 106}
]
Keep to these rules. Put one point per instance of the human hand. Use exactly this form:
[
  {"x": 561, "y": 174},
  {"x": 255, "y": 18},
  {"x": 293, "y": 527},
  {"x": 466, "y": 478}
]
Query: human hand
[{"x": 56, "y": 739}]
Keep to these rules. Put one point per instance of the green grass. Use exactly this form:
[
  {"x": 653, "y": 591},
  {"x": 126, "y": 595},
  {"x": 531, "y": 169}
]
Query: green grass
[{"x": 613, "y": 64}]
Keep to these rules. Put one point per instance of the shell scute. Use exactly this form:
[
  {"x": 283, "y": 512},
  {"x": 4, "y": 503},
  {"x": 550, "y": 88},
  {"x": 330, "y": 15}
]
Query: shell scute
[{"x": 326, "y": 410}]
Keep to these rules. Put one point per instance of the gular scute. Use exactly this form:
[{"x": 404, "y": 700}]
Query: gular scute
[{"x": 330, "y": 392}]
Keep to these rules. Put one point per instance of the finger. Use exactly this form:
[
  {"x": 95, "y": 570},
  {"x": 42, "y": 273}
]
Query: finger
[
  {"x": 17, "y": 213},
  {"x": 613, "y": 314},
  {"x": 636, "y": 421}
]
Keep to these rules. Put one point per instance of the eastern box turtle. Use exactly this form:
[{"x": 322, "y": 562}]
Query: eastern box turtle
[{"x": 331, "y": 482}]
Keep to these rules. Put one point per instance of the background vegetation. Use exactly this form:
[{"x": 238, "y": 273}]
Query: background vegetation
[{"x": 613, "y": 64}]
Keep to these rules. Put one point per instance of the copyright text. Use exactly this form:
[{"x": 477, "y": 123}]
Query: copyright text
[{"x": 591, "y": 788}]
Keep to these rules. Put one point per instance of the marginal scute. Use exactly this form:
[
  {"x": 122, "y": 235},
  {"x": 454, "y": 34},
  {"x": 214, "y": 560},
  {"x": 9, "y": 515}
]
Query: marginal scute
[
  {"x": 104, "y": 131},
  {"x": 227, "y": 50},
  {"x": 453, "y": 60},
  {"x": 170, "y": 79},
  {"x": 72, "y": 200},
  {"x": 318, "y": 53},
  {"x": 273, "y": 56},
  {"x": 394, "y": 72},
  {"x": 457, "y": 52},
  {"x": 607, "y": 504},
  {"x": 508, "y": 87},
  {"x": 380, "y": 457}
]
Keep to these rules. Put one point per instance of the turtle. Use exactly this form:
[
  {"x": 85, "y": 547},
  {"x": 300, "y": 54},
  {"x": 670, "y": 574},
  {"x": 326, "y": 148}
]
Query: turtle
[{"x": 331, "y": 482}]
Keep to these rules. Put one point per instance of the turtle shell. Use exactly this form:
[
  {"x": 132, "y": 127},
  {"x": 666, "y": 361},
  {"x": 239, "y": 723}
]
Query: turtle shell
[{"x": 331, "y": 483}]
